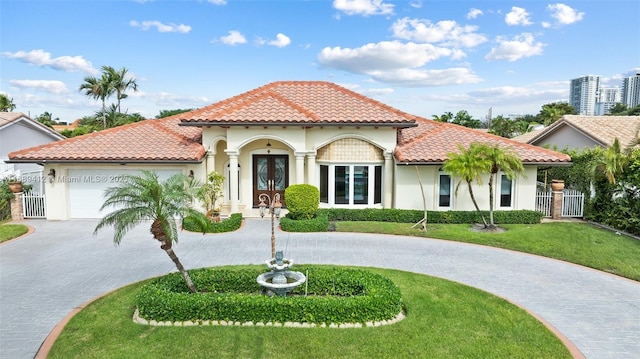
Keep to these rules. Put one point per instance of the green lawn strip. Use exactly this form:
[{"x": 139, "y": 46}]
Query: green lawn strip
[
  {"x": 11, "y": 231},
  {"x": 444, "y": 320},
  {"x": 580, "y": 243}
]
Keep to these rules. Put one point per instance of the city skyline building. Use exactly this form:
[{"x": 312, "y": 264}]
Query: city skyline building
[
  {"x": 583, "y": 94},
  {"x": 631, "y": 91},
  {"x": 607, "y": 98}
]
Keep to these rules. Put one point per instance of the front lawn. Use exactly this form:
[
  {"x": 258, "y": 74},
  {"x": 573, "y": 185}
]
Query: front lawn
[
  {"x": 11, "y": 231},
  {"x": 580, "y": 243},
  {"x": 443, "y": 320}
]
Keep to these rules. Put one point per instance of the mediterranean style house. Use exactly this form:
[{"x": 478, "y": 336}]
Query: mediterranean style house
[{"x": 359, "y": 152}]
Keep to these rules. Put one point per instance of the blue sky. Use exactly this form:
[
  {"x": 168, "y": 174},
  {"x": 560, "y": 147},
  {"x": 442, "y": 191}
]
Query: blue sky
[{"x": 423, "y": 57}]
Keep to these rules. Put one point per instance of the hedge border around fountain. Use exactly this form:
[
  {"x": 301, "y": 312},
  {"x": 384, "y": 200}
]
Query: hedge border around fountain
[{"x": 336, "y": 295}]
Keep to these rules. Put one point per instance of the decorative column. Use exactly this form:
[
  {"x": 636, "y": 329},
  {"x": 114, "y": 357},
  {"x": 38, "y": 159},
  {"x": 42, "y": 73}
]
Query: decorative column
[
  {"x": 299, "y": 167},
  {"x": 16, "y": 207},
  {"x": 388, "y": 180},
  {"x": 233, "y": 180},
  {"x": 556, "y": 204},
  {"x": 311, "y": 169},
  {"x": 211, "y": 162}
]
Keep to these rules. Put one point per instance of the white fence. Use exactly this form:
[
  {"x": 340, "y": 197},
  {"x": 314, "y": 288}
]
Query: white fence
[
  {"x": 33, "y": 205},
  {"x": 572, "y": 203}
]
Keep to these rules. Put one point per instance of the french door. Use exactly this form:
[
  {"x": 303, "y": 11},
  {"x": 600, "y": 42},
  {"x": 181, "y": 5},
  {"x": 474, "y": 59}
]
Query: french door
[{"x": 270, "y": 176}]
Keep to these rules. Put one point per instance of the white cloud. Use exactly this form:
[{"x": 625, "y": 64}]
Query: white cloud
[
  {"x": 416, "y": 4},
  {"x": 363, "y": 7},
  {"x": 381, "y": 56},
  {"x": 376, "y": 91},
  {"x": 518, "y": 47},
  {"x": 517, "y": 16},
  {"x": 446, "y": 32},
  {"x": 217, "y": 2},
  {"x": 281, "y": 40},
  {"x": 52, "y": 86},
  {"x": 42, "y": 58},
  {"x": 546, "y": 24},
  {"x": 474, "y": 13},
  {"x": 234, "y": 38},
  {"x": 146, "y": 25},
  {"x": 397, "y": 62},
  {"x": 563, "y": 14}
]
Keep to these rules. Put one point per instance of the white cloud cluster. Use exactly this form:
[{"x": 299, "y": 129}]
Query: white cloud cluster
[
  {"x": 146, "y": 25},
  {"x": 564, "y": 14},
  {"x": 517, "y": 16},
  {"x": 474, "y": 13},
  {"x": 52, "y": 86},
  {"x": 281, "y": 40},
  {"x": 519, "y": 46},
  {"x": 234, "y": 38},
  {"x": 218, "y": 2},
  {"x": 445, "y": 33},
  {"x": 363, "y": 7},
  {"x": 43, "y": 59}
]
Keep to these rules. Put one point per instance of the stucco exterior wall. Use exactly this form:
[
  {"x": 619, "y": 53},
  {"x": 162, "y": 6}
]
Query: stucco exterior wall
[
  {"x": 20, "y": 135},
  {"x": 567, "y": 137}
]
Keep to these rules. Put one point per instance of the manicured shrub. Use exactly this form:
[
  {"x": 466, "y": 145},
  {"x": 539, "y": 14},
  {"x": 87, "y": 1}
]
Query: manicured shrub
[
  {"x": 227, "y": 225},
  {"x": 320, "y": 223},
  {"x": 334, "y": 295},
  {"x": 302, "y": 201}
]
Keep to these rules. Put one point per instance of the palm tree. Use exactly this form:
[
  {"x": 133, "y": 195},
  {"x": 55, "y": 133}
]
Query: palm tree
[
  {"x": 120, "y": 82},
  {"x": 611, "y": 162},
  {"x": 142, "y": 198},
  {"x": 468, "y": 165},
  {"x": 6, "y": 104},
  {"x": 98, "y": 88},
  {"x": 501, "y": 160}
]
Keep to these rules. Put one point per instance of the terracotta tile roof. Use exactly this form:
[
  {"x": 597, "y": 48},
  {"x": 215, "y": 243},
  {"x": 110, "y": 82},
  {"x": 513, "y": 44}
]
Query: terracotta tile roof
[
  {"x": 431, "y": 141},
  {"x": 299, "y": 102},
  {"x": 526, "y": 137},
  {"x": 602, "y": 129},
  {"x": 148, "y": 140}
]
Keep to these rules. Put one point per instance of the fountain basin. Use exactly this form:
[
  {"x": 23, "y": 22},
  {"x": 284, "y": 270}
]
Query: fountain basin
[{"x": 281, "y": 283}]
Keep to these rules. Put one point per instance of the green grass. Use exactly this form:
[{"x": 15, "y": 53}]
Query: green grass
[
  {"x": 444, "y": 320},
  {"x": 11, "y": 231},
  {"x": 580, "y": 243}
]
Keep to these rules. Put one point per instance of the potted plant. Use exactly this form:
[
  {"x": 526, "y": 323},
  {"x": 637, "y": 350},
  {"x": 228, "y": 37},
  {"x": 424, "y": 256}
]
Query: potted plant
[
  {"x": 210, "y": 193},
  {"x": 557, "y": 185},
  {"x": 15, "y": 185}
]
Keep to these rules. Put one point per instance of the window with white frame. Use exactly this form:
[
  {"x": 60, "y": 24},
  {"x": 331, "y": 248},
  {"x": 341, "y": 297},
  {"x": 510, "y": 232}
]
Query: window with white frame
[
  {"x": 351, "y": 184},
  {"x": 506, "y": 191}
]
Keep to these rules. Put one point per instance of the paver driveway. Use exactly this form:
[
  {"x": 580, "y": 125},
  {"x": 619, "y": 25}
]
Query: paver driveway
[{"x": 62, "y": 265}]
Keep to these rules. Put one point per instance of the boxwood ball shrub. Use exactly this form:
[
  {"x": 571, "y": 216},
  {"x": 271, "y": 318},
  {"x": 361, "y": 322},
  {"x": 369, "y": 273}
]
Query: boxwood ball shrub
[
  {"x": 334, "y": 295},
  {"x": 302, "y": 201}
]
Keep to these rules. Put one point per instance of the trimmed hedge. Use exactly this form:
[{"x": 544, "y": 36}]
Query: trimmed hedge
[
  {"x": 302, "y": 200},
  {"x": 413, "y": 216},
  {"x": 319, "y": 223},
  {"x": 335, "y": 295},
  {"x": 228, "y": 225}
]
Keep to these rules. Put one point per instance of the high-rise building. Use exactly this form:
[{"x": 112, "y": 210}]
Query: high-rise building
[
  {"x": 631, "y": 91},
  {"x": 607, "y": 98},
  {"x": 583, "y": 94}
]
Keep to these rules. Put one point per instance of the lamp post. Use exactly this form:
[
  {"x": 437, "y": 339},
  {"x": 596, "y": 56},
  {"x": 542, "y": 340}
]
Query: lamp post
[{"x": 274, "y": 206}]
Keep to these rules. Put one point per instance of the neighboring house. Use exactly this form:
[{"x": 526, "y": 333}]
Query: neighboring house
[
  {"x": 577, "y": 132},
  {"x": 18, "y": 131},
  {"x": 359, "y": 152}
]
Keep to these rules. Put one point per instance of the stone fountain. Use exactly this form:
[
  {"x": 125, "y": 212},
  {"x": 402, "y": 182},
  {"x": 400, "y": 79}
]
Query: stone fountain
[{"x": 280, "y": 280}]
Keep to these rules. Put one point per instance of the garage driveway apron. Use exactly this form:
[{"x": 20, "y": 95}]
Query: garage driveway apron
[{"x": 47, "y": 274}]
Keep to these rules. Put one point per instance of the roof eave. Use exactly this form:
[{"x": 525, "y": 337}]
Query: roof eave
[
  {"x": 300, "y": 124},
  {"x": 120, "y": 161}
]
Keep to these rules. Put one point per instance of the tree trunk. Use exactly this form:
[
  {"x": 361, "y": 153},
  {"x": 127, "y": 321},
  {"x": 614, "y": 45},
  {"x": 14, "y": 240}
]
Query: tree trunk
[
  {"x": 473, "y": 199},
  {"x": 161, "y": 236},
  {"x": 181, "y": 269},
  {"x": 491, "y": 223}
]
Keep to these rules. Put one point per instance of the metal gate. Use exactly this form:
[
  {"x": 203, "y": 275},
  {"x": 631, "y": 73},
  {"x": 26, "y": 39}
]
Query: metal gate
[
  {"x": 33, "y": 205},
  {"x": 543, "y": 203},
  {"x": 572, "y": 203}
]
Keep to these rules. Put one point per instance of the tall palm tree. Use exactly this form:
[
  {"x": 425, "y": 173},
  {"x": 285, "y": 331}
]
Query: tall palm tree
[
  {"x": 141, "y": 198},
  {"x": 468, "y": 165},
  {"x": 6, "y": 104},
  {"x": 98, "y": 89},
  {"x": 120, "y": 82},
  {"x": 503, "y": 160}
]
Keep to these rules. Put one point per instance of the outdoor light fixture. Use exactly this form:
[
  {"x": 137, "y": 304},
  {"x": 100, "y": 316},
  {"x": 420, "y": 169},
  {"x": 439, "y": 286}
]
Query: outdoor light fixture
[
  {"x": 190, "y": 173},
  {"x": 52, "y": 175},
  {"x": 268, "y": 146}
]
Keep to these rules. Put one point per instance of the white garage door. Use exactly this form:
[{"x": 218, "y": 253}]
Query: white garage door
[{"x": 86, "y": 189}]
